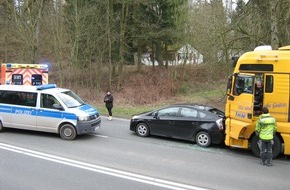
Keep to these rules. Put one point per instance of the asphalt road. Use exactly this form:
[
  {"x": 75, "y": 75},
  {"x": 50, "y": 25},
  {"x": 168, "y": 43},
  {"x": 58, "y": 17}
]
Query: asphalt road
[{"x": 116, "y": 158}]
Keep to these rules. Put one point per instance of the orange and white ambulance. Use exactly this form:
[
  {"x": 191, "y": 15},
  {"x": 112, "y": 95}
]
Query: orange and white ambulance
[{"x": 24, "y": 74}]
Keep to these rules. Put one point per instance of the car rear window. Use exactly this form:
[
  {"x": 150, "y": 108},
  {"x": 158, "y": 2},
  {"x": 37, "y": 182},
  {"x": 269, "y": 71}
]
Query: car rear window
[{"x": 217, "y": 112}]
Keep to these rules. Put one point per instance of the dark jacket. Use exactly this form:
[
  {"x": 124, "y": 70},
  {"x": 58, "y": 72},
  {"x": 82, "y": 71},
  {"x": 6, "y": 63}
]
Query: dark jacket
[
  {"x": 258, "y": 96},
  {"x": 109, "y": 101}
]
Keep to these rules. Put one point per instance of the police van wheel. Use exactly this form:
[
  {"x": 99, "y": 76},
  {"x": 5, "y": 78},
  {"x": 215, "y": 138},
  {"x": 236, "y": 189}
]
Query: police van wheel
[
  {"x": 276, "y": 149},
  {"x": 67, "y": 132},
  {"x": 1, "y": 126}
]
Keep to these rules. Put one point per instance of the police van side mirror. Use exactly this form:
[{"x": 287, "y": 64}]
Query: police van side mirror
[{"x": 57, "y": 106}]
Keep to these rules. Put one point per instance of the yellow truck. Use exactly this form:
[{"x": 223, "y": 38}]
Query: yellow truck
[
  {"x": 24, "y": 74},
  {"x": 272, "y": 68}
]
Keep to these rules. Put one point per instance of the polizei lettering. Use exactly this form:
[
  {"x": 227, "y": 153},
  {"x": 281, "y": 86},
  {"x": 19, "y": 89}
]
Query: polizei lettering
[{"x": 23, "y": 112}]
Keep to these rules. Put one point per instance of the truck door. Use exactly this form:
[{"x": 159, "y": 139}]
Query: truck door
[
  {"x": 276, "y": 96},
  {"x": 240, "y": 103}
]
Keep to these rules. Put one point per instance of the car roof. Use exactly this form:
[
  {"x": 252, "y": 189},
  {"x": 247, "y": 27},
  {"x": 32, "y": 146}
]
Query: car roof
[
  {"x": 194, "y": 105},
  {"x": 43, "y": 88},
  {"x": 200, "y": 107}
]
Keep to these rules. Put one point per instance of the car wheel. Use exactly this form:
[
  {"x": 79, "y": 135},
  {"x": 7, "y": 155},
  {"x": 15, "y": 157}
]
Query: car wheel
[
  {"x": 256, "y": 149},
  {"x": 67, "y": 132},
  {"x": 1, "y": 126},
  {"x": 203, "y": 139},
  {"x": 142, "y": 130}
]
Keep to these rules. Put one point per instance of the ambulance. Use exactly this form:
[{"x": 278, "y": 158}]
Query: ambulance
[{"x": 24, "y": 74}]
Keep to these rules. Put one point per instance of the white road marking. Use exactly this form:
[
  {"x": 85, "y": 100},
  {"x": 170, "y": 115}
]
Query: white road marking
[
  {"x": 101, "y": 169},
  {"x": 103, "y": 136}
]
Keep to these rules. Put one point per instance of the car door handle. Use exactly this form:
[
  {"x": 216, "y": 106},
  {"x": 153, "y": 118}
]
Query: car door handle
[{"x": 195, "y": 123}]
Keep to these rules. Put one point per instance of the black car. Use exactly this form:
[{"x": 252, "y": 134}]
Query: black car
[{"x": 201, "y": 124}]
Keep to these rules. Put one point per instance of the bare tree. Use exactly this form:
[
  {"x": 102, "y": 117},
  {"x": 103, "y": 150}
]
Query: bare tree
[
  {"x": 123, "y": 25},
  {"x": 27, "y": 16}
]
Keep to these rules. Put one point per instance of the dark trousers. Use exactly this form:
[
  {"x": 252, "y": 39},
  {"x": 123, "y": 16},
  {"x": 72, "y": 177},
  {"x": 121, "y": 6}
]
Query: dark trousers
[
  {"x": 266, "y": 151},
  {"x": 110, "y": 111}
]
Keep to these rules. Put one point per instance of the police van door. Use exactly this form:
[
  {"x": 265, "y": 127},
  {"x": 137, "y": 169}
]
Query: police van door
[{"x": 48, "y": 117}]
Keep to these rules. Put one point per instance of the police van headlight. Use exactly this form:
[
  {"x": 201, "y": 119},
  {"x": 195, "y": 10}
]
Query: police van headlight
[{"x": 83, "y": 118}]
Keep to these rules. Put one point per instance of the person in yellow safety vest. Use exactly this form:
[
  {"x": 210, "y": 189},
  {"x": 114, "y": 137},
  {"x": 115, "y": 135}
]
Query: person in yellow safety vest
[{"x": 266, "y": 128}]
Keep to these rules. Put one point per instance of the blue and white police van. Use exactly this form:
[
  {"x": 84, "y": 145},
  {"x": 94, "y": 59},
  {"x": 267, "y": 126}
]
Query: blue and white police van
[{"x": 47, "y": 108}]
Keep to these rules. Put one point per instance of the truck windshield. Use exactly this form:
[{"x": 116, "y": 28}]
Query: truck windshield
[{"x": 70, "y": 99}]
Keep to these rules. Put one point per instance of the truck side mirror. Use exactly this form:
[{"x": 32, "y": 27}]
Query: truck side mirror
[{"x": 234, "y": 61}]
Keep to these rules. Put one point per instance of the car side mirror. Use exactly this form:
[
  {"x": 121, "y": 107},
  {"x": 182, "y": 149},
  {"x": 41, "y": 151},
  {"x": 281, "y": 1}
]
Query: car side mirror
[{"x": 155, "y": 115}]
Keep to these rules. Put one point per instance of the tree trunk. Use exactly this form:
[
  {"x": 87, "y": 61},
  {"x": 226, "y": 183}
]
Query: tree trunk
[
  {"x": 139, "y": 55},
  {"x": 274, "y": 24},
  {"x": 108, "y": 16},
  {"x": 122, "y": 44}
]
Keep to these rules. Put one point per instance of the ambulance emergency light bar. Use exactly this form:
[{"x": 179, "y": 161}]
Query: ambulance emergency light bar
[{"x": 35, "y": 66}]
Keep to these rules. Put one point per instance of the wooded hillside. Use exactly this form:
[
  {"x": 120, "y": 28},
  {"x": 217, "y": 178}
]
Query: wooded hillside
[{"x": 97, "y": 44}]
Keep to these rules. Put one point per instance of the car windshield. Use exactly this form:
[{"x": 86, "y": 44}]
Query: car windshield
[{"x": 70, "y": 99}]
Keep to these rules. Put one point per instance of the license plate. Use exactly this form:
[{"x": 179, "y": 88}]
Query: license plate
[{"x": 97, "y": 127}]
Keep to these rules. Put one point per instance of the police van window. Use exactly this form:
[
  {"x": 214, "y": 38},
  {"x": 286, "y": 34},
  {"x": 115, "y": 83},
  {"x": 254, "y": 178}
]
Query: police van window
[
  {"x": 70, "y": 99},
  {"x": 36, "y": 79},
  {"x": 47, "y": 101},
  {"x": 17, "y": 79},
  {"x": 29, "y": 99},
  {"x": 269, "y": 83},
  {"x": 5, "y": 97},
  {"x": 18, "y": 98}
]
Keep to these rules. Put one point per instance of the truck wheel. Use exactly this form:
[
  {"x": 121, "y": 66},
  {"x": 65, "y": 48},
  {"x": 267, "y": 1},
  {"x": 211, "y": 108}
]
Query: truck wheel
[
  {"x": 277, "y": 146},
  {"x": 276, "y": 149},
  {"x": 67, "y": 132},
  {"x": 254, "y": 146}
]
